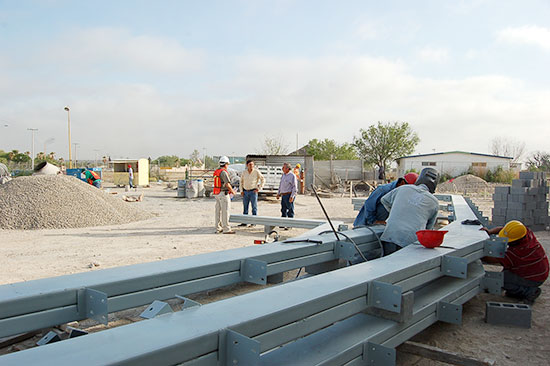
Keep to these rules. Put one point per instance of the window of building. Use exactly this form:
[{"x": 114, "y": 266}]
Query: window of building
[
  {"x": 479, "y": 165},
  {"x": 428, "y": 163}
]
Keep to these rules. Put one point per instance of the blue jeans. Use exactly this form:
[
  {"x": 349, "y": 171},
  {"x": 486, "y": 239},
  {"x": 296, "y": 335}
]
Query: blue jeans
[
  {"x": 250, "y": 197},
  {"x": 131, "y": 182},
  {"x": 287, "y": 207}
]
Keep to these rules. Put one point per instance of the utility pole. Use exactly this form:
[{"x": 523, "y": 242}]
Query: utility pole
[
  {"x": 32, "y": 150},
  {"x": 68, "y": 109},
  {"x": 96, "y": 161},
  {"x": 75, "y": 144}
]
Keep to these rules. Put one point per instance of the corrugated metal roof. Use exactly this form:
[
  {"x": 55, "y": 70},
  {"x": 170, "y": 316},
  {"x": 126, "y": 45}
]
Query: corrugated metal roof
[{"x": 454, "y": 152}]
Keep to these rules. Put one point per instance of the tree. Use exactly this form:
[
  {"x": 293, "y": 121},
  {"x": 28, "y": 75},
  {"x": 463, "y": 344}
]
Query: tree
[
  {"x": 539, "y": 161},
  {"x": 195, "y": 158},
  {"x": 383, "y": 143},
  {"x": 167, "y": 161},
  {"x": 324, "y": 149},
  {"x": 275, "y": 145},
  {"x": 508, "y": 147}
]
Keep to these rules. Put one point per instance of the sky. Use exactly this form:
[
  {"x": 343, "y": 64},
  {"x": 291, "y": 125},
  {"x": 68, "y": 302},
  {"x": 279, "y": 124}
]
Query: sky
[{"x": 145, "y": 79}]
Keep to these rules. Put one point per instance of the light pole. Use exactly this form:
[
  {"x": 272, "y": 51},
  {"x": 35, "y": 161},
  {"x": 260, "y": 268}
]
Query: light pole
[
  {"x": 68, "y": 109},
  {"x": 204, "y": 156},
  {"x": 75, "y": 144},
  {"x": 32, "y": 150},
  {"x": 96, "y": 162}
]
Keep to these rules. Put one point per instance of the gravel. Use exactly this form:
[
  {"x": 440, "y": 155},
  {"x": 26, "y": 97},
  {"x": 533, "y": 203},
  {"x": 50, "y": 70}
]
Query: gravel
[{"x": 60, "y": 201}]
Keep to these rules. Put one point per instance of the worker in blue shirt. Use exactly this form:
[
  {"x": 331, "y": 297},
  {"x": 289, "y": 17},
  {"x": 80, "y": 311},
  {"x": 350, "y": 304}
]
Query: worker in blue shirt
[{"x": 373, "y": 212}]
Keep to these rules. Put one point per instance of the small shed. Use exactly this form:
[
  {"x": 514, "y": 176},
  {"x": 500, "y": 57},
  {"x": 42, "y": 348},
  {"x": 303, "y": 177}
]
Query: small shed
[
  {"x": 140, "y": 168},
  {"x": 453, "y": 163}
]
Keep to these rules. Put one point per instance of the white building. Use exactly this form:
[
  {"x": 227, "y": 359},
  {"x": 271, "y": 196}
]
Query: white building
[{"x": 453, "y": 163}]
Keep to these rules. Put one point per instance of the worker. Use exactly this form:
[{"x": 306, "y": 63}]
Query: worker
[
  {"x": 411, "y": 208},
  {"x": 92, "y": 177},
  {"x": 298, "y": 173},
  {"x": 130, "y": 176},
  {"x": 222, "y": 192},
  {"x": 252, "y": 181},
  {"x": 373, "y": 212},
  {"x": 525, "y": 262},
  {"x": 287, "y": 191}
]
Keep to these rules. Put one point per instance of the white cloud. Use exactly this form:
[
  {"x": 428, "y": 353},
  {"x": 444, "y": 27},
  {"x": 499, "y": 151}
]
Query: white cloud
[
  {"x": 529, "y": 34},
  {"x": 435, "y": 55},
  {"x": 368, "y": 30}
]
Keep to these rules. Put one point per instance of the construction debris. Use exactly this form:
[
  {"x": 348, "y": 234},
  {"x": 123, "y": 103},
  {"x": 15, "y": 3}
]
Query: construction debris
[{"x": 55, "y": 202}]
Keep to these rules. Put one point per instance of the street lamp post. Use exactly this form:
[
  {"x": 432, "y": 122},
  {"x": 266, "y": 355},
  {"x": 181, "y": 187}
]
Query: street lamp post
[
  {"x": 68, "y": 109},
  {"x": 32, "y": 150}
]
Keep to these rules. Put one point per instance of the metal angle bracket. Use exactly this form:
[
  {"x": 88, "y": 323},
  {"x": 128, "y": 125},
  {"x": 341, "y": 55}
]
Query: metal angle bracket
[
  {"x": 344, "y": 250},
  {"x": 493, "y": 282},
  {"x": 155, "y": 309},
  {"x": 454, "y": 266},
  {"x": 385, "y": 296},
  {"x": 254, "y": 271},
  {"x": 237, "y": 349},
  {"x": 449, "y": 313},
  {"x": 479, "y": 215},
  {"x": 93, "y": 304},
  {"x": 187, "y": 303},
  {"x": 495, "y": 247},
  {"x": 377, "y": 355},
  {"x": 51, "y": 337}
]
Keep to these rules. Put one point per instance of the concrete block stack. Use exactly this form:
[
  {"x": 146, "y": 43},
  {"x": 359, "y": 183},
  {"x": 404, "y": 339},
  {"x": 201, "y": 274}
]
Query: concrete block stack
[{"x": 525, "y": 200}]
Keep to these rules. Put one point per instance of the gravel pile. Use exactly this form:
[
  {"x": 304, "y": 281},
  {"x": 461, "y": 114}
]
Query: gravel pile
[
  {"x": 465, "y": 184},
  {"x": 57, "y": 202}
]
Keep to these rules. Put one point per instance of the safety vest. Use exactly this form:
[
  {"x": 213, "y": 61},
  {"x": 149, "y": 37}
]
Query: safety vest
[
  {"x": 94, "y": 174},
  {"x": 218, "y": 181}
]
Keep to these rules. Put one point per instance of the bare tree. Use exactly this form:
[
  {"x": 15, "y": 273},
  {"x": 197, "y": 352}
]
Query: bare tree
[
  {"x": 502, "y": 146},
  {"x": 274, "y": 145}
]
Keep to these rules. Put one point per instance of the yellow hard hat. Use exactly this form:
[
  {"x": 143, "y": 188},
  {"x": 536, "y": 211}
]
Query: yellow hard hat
[
  {"x": 513, "y": 230},
  {"x": 298, "y": 166}
]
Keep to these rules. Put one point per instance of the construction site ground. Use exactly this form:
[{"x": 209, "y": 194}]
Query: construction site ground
[{"x": 182, "y": 227}]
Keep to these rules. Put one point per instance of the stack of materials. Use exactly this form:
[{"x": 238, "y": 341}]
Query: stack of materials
[
  {"x": 60, "y": 201},
  {"x": 525, "y": 200}
]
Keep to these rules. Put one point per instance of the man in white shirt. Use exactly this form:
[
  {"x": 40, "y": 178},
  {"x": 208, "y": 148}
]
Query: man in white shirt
[{"x": 251, "y": 183}]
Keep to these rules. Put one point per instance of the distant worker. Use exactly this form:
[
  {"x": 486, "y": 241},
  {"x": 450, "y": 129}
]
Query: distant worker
[
  {"x": 252, "y": 181},
  {"x": 298, "y": 173},
  {"x": 287, "y": 191},
  {"x": 373, "y": 212},
  {"x": 411, "y": 208},
  {"x": 525, "y": 262},
  {"x": 222, "y": 191},
  {"x": 92, "y": 177},
  {"x": 130, "y": 176}
]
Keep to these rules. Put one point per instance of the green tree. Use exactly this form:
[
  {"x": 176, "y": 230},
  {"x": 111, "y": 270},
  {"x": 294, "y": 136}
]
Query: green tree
[
  {"x": 168, "y": 161},
  {"x": 273, "y": 145},
  {"x": 324, "y": 149},
  {"x": 539, "y": 161},
  {"x": 210, "y": 162},
  {"x": 383, "y": 143}
]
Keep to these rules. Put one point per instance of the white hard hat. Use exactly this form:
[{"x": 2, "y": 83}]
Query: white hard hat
[{"x": 224, "y": 160}]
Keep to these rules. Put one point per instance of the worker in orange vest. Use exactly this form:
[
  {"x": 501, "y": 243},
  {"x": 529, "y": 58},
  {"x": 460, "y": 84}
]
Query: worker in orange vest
[
  {"x": 92, "y": 177},
  {"x": 222, "y": 191}
]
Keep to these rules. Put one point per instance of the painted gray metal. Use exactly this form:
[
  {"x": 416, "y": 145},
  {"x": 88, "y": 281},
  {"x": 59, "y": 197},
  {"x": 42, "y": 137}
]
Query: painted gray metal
[
  {"x": 31, "y": 305},
  {"x": 284, "y": 313}
]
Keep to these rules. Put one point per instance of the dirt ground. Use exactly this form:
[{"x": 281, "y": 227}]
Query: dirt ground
[{"x": 181, "y": 227}]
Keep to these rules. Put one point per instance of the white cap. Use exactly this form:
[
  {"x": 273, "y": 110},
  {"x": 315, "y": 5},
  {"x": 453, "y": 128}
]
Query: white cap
[{"x": 224, "y": 160}]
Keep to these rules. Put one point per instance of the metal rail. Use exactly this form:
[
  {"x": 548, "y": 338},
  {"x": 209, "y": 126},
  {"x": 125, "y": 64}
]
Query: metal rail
[
  {"x": 325, "y": 311},
  {"x": 270, "y": 222}
]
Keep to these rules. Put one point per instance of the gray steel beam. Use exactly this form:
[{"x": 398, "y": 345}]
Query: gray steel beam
[{"x": 276, "y": 221}]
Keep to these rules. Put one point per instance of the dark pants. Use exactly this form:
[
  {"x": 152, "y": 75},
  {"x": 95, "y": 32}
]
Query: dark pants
[
  {"x": 287, "y": 207},
  {"x": 250, "y": 197},
  {"x": 519, "y": 287}
]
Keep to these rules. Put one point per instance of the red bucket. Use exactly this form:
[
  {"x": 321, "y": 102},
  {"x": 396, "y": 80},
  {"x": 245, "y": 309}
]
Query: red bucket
[{"x": 431, "y": 238}]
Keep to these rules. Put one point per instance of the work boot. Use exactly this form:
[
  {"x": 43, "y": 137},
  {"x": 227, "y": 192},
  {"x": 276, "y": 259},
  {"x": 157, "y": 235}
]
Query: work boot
[{"x": 532, "y": 296}]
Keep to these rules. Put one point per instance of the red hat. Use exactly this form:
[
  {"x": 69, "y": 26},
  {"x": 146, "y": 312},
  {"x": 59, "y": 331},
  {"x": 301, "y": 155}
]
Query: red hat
[
  {"x": 129, "y": 166},
  {"x": 411, "y": 178}
]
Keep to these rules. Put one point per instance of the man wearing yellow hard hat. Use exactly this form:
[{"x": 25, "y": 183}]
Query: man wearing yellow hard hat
[{"x": 525, "y": 262}]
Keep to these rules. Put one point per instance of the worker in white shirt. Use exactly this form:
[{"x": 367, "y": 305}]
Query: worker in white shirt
[{"x": 252, "y": 181}]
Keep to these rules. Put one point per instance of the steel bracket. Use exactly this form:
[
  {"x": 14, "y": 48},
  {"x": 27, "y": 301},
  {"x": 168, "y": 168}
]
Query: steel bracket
[
  {"x": 344, "y": 250},
  {"x": 377, "y": 355},
  {"x": 51, "y": 337},
  {"x": 75, "y": 332},
  {"x": 93, "y": 304},
  {"x": 254, "y": 271},
  {"x": 479, "y": 215},
  {"x": 495, "y": 247},
  {"x": 449, "y": 313},
  {"x": 454, "y": 266},
  {"x": 385, "y": 296},
  {"x": 236, "y": 349},
  {"x": 451, "y": 217},
  {"x": 493, "y": 282},
  {"x": 187, "y": 303},
  {"x": 155, "y": 309}
]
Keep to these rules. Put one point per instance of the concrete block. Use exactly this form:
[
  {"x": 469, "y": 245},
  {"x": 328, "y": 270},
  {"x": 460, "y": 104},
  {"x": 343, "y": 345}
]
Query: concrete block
[
  {"x": 535, "y": 190},
  {"x": 518, "y": 190},
  {"x": 542, "y": 204},
  {"x": 499, "y": 212},
  {"x": 527, "y": 175},
  {"x": 538, "y": 227},
  {"x": 499, "y": 220},
  {"x": 528, "y": 221},
  {"x": 501, "y": 204},
  {"x": 500, "y": 197},
  {"x": 502, "y": 313},
  {"x": 502, "y": 189},
  {"x": 542, "y": 220}
]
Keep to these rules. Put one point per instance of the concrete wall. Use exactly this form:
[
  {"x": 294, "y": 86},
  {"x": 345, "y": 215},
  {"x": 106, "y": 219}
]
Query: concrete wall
[
  {"x": 345, "y": 169},
  {"x": 453, "y": 163}
]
